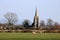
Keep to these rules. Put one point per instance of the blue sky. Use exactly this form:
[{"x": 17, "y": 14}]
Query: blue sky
[{"x": 25, "y": 9}]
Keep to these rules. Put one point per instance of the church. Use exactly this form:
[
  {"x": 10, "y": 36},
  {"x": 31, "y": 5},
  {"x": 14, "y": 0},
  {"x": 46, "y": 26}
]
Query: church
[{"x": 36, "y": 21}]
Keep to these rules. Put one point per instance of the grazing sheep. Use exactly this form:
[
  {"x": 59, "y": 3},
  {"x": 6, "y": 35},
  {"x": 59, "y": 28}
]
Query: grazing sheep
[{"x": 34, "y": 32}]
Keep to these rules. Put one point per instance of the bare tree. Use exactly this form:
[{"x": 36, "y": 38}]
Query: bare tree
[
  {"x": 50, "y": 22},
  {"x": 42, "y": 23},
  {"x": 26, "y": 23},
  {"x": 56, "y": 25},
  {"x": 11, "y": 18}
]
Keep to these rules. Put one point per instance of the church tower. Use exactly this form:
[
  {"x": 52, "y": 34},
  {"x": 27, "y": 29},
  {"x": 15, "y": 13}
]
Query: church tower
[{"x": 36, "y": 19}]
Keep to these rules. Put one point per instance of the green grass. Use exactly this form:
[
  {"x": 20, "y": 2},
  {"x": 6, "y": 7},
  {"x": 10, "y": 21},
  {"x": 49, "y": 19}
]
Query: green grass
[{"x": 29, "y": 36}]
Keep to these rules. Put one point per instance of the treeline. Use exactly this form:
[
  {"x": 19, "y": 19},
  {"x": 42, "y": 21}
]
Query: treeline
[
  {"x": 50, "y": 25},
  {"x": 11, "y": 19}
]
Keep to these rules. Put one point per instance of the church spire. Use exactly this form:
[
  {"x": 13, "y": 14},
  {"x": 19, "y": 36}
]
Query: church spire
[
  {"x": 36, "y": 19},
  {"x": 36, "y": 12}
]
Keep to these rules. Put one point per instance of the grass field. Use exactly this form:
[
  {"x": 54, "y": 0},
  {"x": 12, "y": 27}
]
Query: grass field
[{"x": 29, "y": 36}]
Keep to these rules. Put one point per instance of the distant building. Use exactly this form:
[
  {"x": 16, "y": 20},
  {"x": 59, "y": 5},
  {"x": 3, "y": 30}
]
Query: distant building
[{"x": 36, "y": 20}]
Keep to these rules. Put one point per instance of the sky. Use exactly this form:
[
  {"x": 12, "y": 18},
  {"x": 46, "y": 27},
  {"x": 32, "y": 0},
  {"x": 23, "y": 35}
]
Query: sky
[{"x": 25, "y": 9}]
